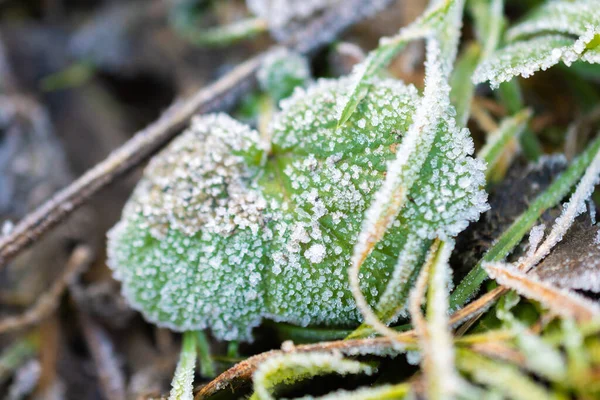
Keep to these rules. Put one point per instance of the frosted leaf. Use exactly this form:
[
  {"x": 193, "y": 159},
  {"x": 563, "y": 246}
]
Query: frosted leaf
[
  {"x": 215, "y": 236},
  {"x": 325, "y": 179},
  {"x": 282, "y": 72},
  {"x": 280, "y": 14},
  {"x": 566, "y": 17},
  {"x": 557, "y": 31},
  {"x": 190, "y": 247},
  {"x": 523, "y": 58},
  {"x": 287, "y": 369}
]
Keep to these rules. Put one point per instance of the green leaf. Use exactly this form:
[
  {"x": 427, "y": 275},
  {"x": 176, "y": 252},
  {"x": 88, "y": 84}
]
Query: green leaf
[{"x": 524, "y": 58}]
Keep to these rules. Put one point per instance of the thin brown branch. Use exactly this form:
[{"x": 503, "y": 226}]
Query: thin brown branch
[
  {"x": 220, "y": 95},
  {"x": 47, "y": 303}
]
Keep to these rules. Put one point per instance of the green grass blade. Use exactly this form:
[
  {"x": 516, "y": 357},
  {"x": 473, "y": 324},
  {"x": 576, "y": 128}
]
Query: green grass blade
[{"x": 515, "y": 233}]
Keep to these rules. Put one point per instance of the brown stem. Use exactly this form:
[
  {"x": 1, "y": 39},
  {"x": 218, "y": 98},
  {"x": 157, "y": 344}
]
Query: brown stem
[{"x": 47, "y": 303}]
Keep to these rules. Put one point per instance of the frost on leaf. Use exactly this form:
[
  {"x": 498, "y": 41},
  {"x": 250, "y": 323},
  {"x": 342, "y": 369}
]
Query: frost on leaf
[
  {"x": 189, "y": 248},
  {"x": 523, "y": 58},
  {"x": 282, "y": 72},
  {"x": 323, "y": 179},
  {"x": 281, "y": 14},
  {"x": 183, "y": 382},
  {"x": 433, "y": 186},
  {"x": 558, "y": 31}
]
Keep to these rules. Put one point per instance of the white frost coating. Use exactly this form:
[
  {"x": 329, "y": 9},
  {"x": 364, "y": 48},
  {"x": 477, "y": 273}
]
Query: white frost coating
[
  {"x": 189, "y": 248},
  {"x": 563, "y": 302},
  {"x": 535, "y": 238},
  {"x": 284, "y": 16},
  {"x": 201, "y": 182},
  {"x": 183, "y": 380},
  {"x": 442, "y": 205},
  {"x": 279, "y": 13},
  {"x": 525, "y": 57},
  {"x": 327, "y": 189},
  {"x": 291, "y": 368},
  {"x": 574, "y": 207}
]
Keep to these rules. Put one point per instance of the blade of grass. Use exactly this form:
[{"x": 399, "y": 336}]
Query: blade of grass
[
  {"x": 515, "y": 233},
  {"x": 182, "y": 385}
]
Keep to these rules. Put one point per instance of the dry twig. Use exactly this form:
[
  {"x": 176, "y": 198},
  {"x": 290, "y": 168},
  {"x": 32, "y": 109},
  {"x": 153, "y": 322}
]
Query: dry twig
[{"x": 47, "y": 303}]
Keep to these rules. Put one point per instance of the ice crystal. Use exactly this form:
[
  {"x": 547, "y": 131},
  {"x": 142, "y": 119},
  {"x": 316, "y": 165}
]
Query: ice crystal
[{"x": 557, "y": 31}]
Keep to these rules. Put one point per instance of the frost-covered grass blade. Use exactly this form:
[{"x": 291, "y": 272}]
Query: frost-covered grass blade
[
  {"x": 380, "y": 57},
  {"x": 432, "y": 166},
  {"x": 557, "y": 31},
  {"x": 560, "y": 301},
  {"x": 519, "y": 228},
  {"x": 183, "y": 380}
]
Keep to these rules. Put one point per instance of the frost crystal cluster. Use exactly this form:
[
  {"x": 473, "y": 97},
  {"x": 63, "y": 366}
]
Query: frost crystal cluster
[
  {"x": 557, "y": 31},
  {"x": 221, "y": 233}
]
